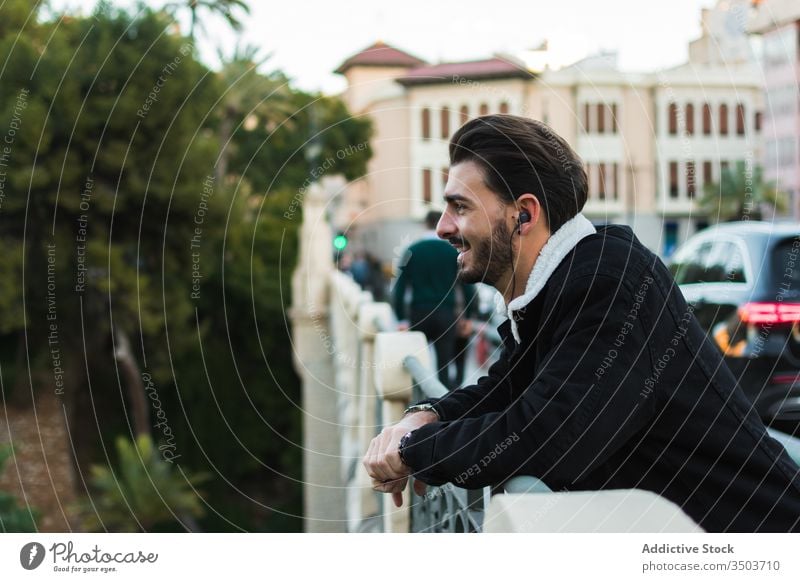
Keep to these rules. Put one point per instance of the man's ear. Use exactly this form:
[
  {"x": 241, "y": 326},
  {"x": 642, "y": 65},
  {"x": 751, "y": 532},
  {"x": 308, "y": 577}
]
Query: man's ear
[{"x": 529, "y": 211}]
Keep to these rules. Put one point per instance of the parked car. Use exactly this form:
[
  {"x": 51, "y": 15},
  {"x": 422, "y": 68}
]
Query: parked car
[{"x": 743, "y": 281}]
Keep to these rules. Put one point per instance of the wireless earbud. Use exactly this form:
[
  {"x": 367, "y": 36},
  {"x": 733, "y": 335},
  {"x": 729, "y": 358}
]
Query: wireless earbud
[{"x": 523, "y": 217}]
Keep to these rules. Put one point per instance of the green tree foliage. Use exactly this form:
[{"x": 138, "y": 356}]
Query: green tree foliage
[
  {"x": 143, "y": 201},
  {"x": 274, "y": 156},
  {"x": 227, "y": 9},
  {"x": 742, "y": 194},
  {"x": 145, "y": 493},
  {"x": 13, "y": 518},
  {"x": 250, "y": 99},
  {"x": 101, "y": 193}
]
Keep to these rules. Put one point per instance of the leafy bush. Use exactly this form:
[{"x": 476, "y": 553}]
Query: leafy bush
[
  {"x": 145, "y": 493},
  {"x": 14, "y": 518}
]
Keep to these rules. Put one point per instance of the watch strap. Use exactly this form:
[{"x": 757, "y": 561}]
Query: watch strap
[{"x": 422, "y": 408}]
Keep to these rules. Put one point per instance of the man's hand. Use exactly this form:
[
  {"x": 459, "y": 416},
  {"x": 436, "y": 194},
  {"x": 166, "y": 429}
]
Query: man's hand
[
  {"x": 464, "y": 328},
  {"x": 382, "y": 461}
]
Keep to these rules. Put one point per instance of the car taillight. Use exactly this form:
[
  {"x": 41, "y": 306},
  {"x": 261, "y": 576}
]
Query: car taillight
[
  {"x": 770, "y": 313},
  {"x": 786, "y": 379}
]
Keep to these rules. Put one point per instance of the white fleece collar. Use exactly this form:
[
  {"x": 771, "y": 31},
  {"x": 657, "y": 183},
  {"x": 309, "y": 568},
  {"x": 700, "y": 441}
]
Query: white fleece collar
[{"x": 555, "y": 249}]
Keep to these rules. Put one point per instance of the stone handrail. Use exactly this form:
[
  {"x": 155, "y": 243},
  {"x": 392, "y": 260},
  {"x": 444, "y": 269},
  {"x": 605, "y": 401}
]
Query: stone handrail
[
  {"x": 355, "y": 380},
  {"x": 446, "y": 509},
  {"x": 449, "y": 509},
  {"x": 378, "y": 373}
]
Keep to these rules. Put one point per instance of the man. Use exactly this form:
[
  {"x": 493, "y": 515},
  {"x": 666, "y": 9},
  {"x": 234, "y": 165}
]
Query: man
[
  {"x": 429, "y": 269},
  {"x": 606, "y": 380}
]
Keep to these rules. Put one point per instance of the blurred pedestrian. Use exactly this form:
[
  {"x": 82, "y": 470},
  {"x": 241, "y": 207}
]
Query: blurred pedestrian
[
  {"x": 429, "y": 270},
  {"x": 377, "y": 280},
  {"x": 360, "y": 269}
]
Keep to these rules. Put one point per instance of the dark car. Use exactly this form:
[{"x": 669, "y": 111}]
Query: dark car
[{"x": 743, "y": 281}]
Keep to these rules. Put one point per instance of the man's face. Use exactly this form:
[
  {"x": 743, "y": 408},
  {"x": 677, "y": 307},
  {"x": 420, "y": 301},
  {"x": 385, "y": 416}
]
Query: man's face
[{"x": 475, "y": 221}]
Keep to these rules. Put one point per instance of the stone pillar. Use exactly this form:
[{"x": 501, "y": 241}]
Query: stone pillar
[
  {"x": 323, "y": 489},
  {"x": 363, "y": 502},
  {"x": 394, "y": 385}
]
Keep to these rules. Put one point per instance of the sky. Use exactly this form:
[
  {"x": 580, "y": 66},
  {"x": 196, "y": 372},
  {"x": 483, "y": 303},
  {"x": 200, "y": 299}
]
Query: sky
[{"x": 308, "y": 39}]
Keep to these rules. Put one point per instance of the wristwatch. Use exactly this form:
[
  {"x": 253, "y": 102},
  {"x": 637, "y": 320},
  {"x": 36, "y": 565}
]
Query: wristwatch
[
  {"x": 403, "y": 442},
  {"x": 421, "y": 408}
]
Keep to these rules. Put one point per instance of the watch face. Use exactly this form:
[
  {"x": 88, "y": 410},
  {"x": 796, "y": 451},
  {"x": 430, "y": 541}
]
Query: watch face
[{"x": 403, "y": 441}]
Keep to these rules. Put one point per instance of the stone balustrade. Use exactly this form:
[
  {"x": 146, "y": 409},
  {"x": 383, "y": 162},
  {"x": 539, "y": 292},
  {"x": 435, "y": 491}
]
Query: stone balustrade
[{"x": 358, "y": 376}]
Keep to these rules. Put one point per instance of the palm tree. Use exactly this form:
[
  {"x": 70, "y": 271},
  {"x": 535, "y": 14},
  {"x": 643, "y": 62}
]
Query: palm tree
[
  {"x": 225, "y": 8},
  {"x": 250, "y": 99},
  {"x": 742, "y": 195}
]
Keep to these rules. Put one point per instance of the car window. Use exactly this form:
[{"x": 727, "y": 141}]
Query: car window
[
  {"x": 734, "y": 266},
  {"x": 715, "y": 263},
  {"x": 689, "y": 265}
]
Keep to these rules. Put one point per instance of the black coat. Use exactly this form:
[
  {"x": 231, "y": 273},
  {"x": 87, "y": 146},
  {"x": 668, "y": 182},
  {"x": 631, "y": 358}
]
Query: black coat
[{"x": 614, "y": 385}]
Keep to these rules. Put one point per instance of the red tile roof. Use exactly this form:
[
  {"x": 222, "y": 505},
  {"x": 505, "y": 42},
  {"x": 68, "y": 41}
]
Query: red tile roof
[
  {"x": 494, "y": 68},
  {"x": 380, "y": 54}
]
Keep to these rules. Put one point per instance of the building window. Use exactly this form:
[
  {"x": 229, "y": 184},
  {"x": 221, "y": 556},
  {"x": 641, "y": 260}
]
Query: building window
[
  {"x": 706, "y": 119},
  {"x": 615, "y": 181},
  {"x": 673, "y": 179},
  {"x": 445, "y": 122},
  {"x": 708, "y": 176},
  {"x": 601, "y": 118},
  {"x": 673, "y": 119},
  {"x": 504, "y": 107},
  {"x": 740, "y": 119},
  {"x": 723, "y": 119},
  {"x": 602, "y": 170},
  {"x": 587, "y": 118},
  {"x": 690, "y": 119},
  {"x": 426, "y": 186},
  {"x": 590, "y": 180},
  {"x": 690, "y": 180},
  {"x": 426, "y": 123},
  {"x": 613, "y": 118},
  {"x": 757, "y": 121},
  {"x": 723, "y": 167},
  {"x": 483, "y": 109}
]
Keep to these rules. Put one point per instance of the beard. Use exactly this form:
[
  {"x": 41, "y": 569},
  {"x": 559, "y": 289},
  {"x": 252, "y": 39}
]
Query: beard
[{"x": 490, "y": 258}]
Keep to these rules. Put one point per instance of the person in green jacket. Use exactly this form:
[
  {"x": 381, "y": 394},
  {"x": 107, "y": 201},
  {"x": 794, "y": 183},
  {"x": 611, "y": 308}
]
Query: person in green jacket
[{"x": 428, "y": 272}]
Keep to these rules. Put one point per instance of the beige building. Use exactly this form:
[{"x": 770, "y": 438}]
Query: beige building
[
  {"x": 777, "y": 22},
  {"x": 649, "y": 141}
]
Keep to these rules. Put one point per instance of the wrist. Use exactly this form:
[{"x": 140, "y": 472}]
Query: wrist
[{"x": 414, "y": 420}]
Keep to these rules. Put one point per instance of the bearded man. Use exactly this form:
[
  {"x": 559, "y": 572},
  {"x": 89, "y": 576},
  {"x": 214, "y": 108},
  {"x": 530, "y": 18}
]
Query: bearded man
[{"x": 606, "y": 380}]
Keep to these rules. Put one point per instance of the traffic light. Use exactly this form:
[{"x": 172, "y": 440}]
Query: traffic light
[{"x": 340, "y": 241}]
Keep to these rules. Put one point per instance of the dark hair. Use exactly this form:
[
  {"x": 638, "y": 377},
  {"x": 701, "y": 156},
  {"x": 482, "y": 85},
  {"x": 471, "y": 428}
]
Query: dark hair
[
  {"x": 520, "y": 155},
  {"x": 432, "y": 218}
]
